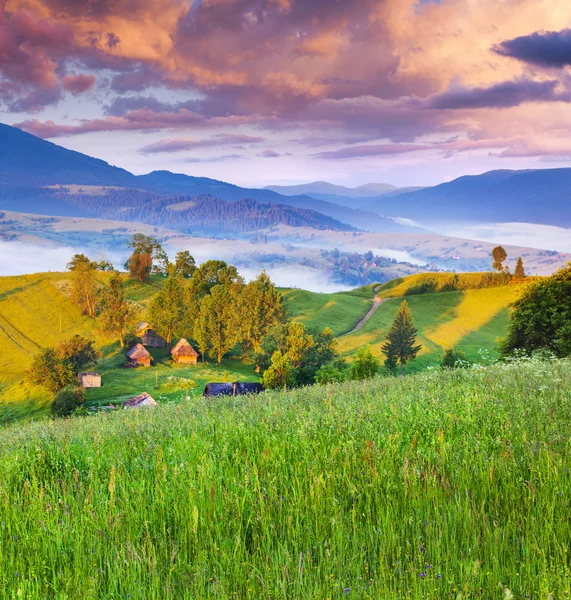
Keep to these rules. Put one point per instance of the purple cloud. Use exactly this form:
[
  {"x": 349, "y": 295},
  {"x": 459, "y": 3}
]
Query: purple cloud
[
  {"x": 543, "y": 48},
  {"x": 269, "y": 154},
  {"x": 182, "y": 144},
  {"x": 374, "y": 150}
]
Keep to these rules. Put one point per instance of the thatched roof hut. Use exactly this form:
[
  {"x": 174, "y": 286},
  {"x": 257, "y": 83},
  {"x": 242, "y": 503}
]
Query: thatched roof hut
[
  {"x": 149, "y": 336},
  {"x": 184, "y": 353},
  {"x": 139, "y": 401},
  {"x": 139, "y": 356},
  {"x": 232, "y": 389}
]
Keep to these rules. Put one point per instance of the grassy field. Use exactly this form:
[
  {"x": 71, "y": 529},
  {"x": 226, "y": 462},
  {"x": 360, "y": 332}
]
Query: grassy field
[
  {"x": 441, "y": 485},
  {"x": 36, "y": 311}
]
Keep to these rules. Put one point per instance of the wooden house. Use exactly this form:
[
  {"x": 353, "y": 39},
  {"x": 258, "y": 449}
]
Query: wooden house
[
  {"x": 184, "y": 353},
  {"x": 139, "y": 356},
  {"x": 232, "y": 389},
  {"x": 89, "y": 380},
  {"x": 140, "y": 401},
  {"x": 149, "y": 337}
]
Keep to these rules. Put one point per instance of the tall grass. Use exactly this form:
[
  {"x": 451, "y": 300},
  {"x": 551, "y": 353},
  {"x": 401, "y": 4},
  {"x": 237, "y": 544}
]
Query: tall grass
[{"x": 441, "y": 485}]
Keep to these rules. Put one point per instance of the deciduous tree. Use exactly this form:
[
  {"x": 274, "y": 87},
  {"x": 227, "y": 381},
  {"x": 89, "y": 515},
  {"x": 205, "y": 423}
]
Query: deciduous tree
[
  {"x": 365, "y": 364},
  {"x": 280, "y": 373},
  {"x": 168, "y": 311},
  {"x": 499, "y": 255},
  {"x": 117, "y": 313}
]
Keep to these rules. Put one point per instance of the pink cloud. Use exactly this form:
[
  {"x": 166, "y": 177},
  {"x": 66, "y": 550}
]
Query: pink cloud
[
  {"x": 182, "y": 144},
  {"x": 78, "y": 84}
]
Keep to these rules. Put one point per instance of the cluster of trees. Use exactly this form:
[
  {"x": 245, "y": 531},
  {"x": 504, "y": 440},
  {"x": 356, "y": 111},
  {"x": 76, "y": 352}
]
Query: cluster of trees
[{"x": 202, "y": 212}]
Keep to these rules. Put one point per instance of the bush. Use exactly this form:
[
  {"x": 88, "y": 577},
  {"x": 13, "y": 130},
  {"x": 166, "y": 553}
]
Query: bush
[
  {"x": 333, "y": 372},
  {"x": 365, "y": 365},
  {"x": 68, "y": 400},
  {"x": 454, "y": 359}
]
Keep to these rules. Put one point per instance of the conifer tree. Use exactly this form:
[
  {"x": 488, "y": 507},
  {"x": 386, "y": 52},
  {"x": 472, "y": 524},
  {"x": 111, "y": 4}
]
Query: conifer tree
[
  {"x": 400, "y": 346},
  {"x": 519, "y": 272}
]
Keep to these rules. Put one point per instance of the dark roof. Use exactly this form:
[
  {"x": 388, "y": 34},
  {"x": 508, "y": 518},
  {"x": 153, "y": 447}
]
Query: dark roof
[
  {"x": 230, "y": 389},
  {"x": 183, "y": 348},
  {"x": 138, "y": 351}
]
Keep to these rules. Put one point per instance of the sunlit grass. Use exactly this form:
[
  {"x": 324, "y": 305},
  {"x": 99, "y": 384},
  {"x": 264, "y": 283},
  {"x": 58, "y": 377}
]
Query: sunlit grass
[{"x": 440, "y": 485}]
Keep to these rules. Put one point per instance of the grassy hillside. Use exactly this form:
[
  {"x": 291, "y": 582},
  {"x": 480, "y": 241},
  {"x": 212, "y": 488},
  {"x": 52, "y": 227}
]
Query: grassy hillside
[
  {"x": 441, "y": 485},
  {"x": 32, "y": 306}
]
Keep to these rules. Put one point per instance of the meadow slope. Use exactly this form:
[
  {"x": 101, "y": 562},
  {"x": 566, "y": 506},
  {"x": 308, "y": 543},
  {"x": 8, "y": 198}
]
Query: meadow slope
[
  {"x": 36, "y": 311},
  {"x": 440, "y": 485}
]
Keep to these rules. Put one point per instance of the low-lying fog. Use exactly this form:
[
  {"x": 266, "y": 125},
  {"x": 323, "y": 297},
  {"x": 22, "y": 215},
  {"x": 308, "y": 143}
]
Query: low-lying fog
[{"x": 18, "y": 258}]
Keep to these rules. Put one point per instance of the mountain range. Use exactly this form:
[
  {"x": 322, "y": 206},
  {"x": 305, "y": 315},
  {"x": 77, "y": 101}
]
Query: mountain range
[{"x": 29, "y": 164}]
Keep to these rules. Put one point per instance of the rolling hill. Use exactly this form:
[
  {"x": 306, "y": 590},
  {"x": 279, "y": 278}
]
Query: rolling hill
[{"x": 36, "y": 311}]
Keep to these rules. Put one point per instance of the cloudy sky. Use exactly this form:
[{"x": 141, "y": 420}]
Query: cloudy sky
[{"x": 255, "y": 92}]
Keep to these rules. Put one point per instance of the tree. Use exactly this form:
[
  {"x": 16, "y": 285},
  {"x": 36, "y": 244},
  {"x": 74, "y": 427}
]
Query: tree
[
  {"x": 84, "y": 284},
  {"x": 148, "y": 257},
  {"x": 50, "y": 371},
  {"x": 365, "y": 365},
  {"x": 68, "y": 400},
  {"x": 168, "y": 312},
  {"x": 499, "y": 255},
  {"x": 519, "y": 273},
  {"x": 184, "y": 265},
  {"x": 212, "y": 273},
  {"x": 280, "y": 373},
  {"x": 117, "y": 313},
  {"x": 332, "y": 372},
  {"x": 541, "y": 317},
  {"x": 260, "y": 307},
  {"x": 400, "y": 346},
  {"x": 217, "y": 326},
  {"x": 78, "y": 352}
]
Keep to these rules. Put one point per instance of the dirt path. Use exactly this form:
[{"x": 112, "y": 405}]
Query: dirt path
[{"x": 376, "y": 304}]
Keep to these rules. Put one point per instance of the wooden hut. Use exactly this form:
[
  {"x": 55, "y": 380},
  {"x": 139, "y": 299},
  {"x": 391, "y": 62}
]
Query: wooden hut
[
  {"x": 139, "y": 356},
  {"x": 184, "y": 354},
  {"x": 89, "y": 380},
  {"x": 149, "y": 337},
  {"x": 140, "y": 401},
  {"x": 232, "y": 389}
]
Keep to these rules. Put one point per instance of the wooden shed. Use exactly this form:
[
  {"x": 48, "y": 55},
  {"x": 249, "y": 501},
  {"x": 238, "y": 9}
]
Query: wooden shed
[
  {"x": 150, "y": 337},
  {"x": 140, "y": 401},
  {"x": 184, "y": 353},
  {"x": 232, "y": 389},
  {"x": 139, "y": 356},
  {"x": 89, "y": 380}
]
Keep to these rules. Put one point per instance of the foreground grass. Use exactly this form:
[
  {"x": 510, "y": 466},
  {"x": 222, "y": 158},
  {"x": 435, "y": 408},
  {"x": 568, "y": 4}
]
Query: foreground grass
[{"x": 441, "y": 485}]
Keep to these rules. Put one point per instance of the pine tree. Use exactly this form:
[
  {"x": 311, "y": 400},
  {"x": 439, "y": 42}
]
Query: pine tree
[
  {"x": 519, "y": 272},
  {"x": 499, "y": 255},
  {"x": 400, "y": 346},
  {"x": 117, "y": 313}
]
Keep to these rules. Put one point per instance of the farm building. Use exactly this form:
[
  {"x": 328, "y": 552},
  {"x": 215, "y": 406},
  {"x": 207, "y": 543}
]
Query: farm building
[
  {"x": 139, "y": 356},
  {"x": 89, "y": 380},
  {"x": 184, "y": 353},
  {"x": 139, "y": 401},
  {"x": 150, "y": 337},
  {"x": 232, "y": 389}
]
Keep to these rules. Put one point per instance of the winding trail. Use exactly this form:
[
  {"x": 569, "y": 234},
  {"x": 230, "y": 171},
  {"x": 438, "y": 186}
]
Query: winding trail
[{"x": 376, "y": 304}]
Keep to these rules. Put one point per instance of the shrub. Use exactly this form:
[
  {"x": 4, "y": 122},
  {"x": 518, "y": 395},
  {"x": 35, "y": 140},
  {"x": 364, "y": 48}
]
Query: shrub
[
  {"x": 68, "y": 400},
  {"x": 454, "y": 359},
  {"x": 365, "y": 365}
]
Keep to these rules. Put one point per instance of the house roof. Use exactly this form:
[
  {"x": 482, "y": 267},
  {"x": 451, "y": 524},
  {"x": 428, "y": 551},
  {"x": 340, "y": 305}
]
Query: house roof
[
  {"x": 140, "y": 399},
  {"x": 183, "y": 348},
  {"x": 138, "y": 351},
  {"x": 142, "y": 325},
  {"x": 227, "y": 389},
  {"x": 89, "y": 374}
]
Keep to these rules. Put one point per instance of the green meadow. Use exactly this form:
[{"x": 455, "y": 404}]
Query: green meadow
[
  {"x": 447, "y": 485},
  {"x": 36, "y": 311}
]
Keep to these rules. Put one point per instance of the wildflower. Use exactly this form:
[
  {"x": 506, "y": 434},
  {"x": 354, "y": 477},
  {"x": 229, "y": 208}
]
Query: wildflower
[
  {"x": 423, "y": 575},
  {"x": 438, "y": 576},
  {"x": 422, "y": 548},
  {"x": 346, "y": 590}
]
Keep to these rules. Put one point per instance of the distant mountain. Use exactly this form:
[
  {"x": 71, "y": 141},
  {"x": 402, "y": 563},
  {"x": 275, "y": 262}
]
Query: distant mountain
[
  {"x": 28, "y": 164},
  {"x": 201, "y": 213},
  {"x": 330, "y": 189},
  {"x": 532, "y": 196}
]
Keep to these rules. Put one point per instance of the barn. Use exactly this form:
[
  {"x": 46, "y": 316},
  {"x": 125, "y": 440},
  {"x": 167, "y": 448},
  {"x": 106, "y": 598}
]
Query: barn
[
  {"x": 184, "y": 353},
  {"x": 89, "y": 380},
  {"x": 139, "y": 356},
  {"x": 140, "y": 401},
  {"x": 150, "y": 337},
  {"x": 232, "y": 389}
]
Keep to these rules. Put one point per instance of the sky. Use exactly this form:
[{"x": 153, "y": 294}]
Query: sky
[{"x": 257, "y": 92}]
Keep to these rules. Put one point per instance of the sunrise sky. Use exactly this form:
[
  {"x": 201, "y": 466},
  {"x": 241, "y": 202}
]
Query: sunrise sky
[{"x": 287, "y": 91}]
